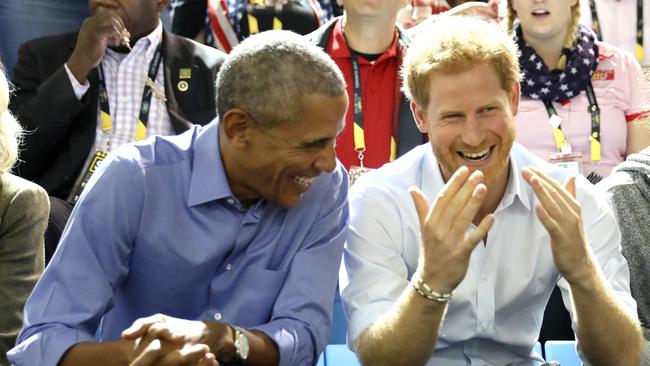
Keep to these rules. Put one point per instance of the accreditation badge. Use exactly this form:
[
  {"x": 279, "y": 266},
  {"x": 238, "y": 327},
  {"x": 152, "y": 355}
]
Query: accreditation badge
[
  {"x": 356, "y": 172},
  {"x": 569, "y": 160},
  {"x": 79, "y": 186}
]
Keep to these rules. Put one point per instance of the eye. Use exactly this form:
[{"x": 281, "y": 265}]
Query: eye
[
  {"x": 489, "y": 109},
  {"x": 452, "y": 116}
]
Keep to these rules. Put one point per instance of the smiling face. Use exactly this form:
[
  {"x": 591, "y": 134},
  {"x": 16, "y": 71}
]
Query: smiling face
[
  {"x": 544, "y": 19},
  {"x": 469, "y": 120},
  {"x": 280, "y": 163}
]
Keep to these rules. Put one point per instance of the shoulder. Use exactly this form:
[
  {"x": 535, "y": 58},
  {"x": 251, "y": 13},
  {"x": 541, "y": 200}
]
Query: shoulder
[
  {"x": 27, "y": 197},
  {"x": 184, "y": 48},
  {"x": 51, "y": 43},
  {"x": 320, "y": 36},
  {"x": 612, "y": 56}
]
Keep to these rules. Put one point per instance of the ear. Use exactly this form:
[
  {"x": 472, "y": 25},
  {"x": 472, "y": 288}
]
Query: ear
[
  {"x": 161, "y": 5},
  {"x": 419, "y": 113},
  {"x": 236, "y": 126},
  {"x": 515, "y": 95}
]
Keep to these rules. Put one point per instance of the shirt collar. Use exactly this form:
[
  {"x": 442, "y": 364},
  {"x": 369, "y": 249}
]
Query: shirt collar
[
  {"x": 152, "y": 40},
  {"x": 209, "y": 181},
  {"x": 338, "y": 47}
]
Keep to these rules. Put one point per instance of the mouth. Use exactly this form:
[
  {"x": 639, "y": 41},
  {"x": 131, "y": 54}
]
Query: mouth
[
  {"x": 540, "y": 12},
  {"x": 475, "y": 157},
  {"x": 305, "y": 182}
]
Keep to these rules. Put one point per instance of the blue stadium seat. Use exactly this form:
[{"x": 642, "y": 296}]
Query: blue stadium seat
[
  {"x": 563, "y": 352},
  {"x": 321, "y": 360},
  {"x": 340, "y": 355}
]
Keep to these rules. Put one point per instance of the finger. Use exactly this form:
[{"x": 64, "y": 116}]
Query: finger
[
  {"x": 548, "y": 196},
  {"x": 480, "y": 232},
  {"x": 561, "y": 192},
  {"x": 195, "y": 353},
  {"x": 150, "y": 355},
  {"x": 547, "y": 221},
  {"x": 421, "y": 204},
  {"x": 163, "y": 330},
  {"x": 570, "y": 186},
  {"x": 448, "y": 192},
  {"x": 140, "y": 326},
  {"x": 464, "y": 205}
]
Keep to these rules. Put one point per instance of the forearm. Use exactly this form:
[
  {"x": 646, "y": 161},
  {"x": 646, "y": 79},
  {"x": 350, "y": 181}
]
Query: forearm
[
  {"x": 405, "y": 335},
  {"x": 117, "y": 353},
  {"x": 604, "y": 326}
]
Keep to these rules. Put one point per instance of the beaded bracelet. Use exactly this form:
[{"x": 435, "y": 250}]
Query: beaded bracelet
[{"x": 424, "y": 290}]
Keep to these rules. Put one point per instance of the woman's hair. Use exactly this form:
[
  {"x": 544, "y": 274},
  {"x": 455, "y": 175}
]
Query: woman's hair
[
  {"x": 511, "y": 16},
  {"x": 11, "y": 132}
]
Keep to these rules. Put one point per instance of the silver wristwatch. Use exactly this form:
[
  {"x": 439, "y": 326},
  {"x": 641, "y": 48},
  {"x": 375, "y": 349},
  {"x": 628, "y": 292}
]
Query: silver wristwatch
[{"x": 241, "y": 345}]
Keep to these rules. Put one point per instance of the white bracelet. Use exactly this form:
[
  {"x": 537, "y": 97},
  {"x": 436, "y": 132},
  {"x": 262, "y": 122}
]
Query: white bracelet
[{"x": 424, "y": 290}]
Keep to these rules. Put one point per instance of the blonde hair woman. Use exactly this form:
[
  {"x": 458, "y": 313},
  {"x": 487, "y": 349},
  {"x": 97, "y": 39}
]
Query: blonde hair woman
[
  {"x": 24, "y": 208},
  {"x": 580, "y": 97}
]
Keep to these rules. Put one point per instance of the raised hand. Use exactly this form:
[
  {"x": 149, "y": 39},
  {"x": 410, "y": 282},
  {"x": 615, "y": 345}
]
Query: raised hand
[
  {"x": 446, "y": 248},
  {"x": 106, "y": 27},
  {"x": 560, "y": 213}
]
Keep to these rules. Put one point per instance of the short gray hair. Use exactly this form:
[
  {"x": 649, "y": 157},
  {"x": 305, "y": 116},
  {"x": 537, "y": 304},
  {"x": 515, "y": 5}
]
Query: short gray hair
[
  {"x": 267, "y": 74},
  {"x": 11, "y": 132}
]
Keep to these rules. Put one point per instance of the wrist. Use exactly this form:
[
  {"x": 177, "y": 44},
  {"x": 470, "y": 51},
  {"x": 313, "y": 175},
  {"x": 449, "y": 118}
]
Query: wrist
[
  {"x": 79, "y": 69},
  {"x": 220, "y": 338},
  {"x": 425, "y": 290}
]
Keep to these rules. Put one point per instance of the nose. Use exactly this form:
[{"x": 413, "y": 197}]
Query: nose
[
  {"x": 473, "y": 133},
  {"x": 326, "y": 160}
]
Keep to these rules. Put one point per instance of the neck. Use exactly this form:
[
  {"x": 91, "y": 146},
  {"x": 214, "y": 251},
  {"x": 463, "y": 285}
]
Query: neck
[
  {"x": 549, "y": 49},
  {"x": 368, "y": 36},
  {"x": 233, "y": 172}
]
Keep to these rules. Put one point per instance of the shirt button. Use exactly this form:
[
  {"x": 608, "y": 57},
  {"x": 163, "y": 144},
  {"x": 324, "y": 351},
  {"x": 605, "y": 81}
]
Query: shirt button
[
  {"x": 484, "y": 327},
  {"x": 231, "y": 201},
  {"x": 217, "y": 316},
  {"x": 124, "y": 99},
  {"x": 228, "y": 267}
]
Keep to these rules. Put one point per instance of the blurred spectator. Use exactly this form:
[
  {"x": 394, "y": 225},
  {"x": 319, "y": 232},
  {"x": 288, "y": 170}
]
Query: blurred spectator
[
  {"x": 225, "y": 23},
  {"x": 83, "y": 94},
  {"x": 629, "y": 188},
  {"x": 418, "y": 10},
  {"x": 623, "y": 23},
  {"x": 580, "y": 97},
  {"x": 22, "y": 20},
  {"x": 23, "y": 208},
  {"x": 368, "y": 47}
]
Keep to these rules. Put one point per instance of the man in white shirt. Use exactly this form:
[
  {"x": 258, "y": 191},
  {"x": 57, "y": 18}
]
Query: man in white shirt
[{"x": 499, "y": 234}]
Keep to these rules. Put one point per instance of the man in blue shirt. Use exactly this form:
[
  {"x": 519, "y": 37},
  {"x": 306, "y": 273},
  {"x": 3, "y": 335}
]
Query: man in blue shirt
[{"x": 221, "y": 243}]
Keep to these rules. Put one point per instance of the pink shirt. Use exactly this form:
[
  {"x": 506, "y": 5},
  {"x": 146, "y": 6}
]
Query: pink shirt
[{"x": 619, "y": 87}]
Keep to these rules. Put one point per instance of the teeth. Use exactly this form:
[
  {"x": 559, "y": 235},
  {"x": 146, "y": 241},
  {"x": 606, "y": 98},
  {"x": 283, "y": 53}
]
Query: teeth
[
  {"x": 540, "y": 11},
  {"x": 476, "y": 156},
  {"x": 304, "y": 180}
]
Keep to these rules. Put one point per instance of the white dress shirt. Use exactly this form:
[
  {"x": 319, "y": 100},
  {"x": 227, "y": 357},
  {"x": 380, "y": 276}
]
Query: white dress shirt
[
  {"x": 618, "y": 24},
  {"x": 495, "y": 314}
]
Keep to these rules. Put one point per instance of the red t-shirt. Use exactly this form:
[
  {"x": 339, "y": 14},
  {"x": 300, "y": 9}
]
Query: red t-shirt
[{"x": 378, "y": 83}]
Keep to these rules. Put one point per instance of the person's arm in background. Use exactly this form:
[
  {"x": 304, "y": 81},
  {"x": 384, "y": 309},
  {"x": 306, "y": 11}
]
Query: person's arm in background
[
  {"x": 606, "y": 322},
  {"x": 24, "y": 220},
  {"x": 638, "y": 87}
]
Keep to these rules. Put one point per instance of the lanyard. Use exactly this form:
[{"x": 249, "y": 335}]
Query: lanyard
[
  {"x": 359, "y": 134},
  {"x": 143, "y": 118},
  {"x": 595, "y": 25},
  {"x": 594, "y": 110}
]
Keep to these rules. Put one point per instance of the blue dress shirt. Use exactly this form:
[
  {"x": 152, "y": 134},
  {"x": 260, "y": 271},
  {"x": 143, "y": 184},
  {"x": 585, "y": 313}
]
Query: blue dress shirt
[{"x": 158, "y": 230}]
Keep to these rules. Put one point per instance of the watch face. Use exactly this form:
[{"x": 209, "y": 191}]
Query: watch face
[{"x": 242, "y": 344}]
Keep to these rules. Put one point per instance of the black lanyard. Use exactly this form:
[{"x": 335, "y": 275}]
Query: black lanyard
[
  {"x": 358, "y": 132},
  {"x": 143, "y": 118},
  {"x": 594, "y": 110},
  {"x": 595, "y": 25}
]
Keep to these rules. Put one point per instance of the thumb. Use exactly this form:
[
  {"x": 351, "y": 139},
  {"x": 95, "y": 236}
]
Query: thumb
[
  {"x": 570, "y": 186},
  {"x": 421, "y": 204}
]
